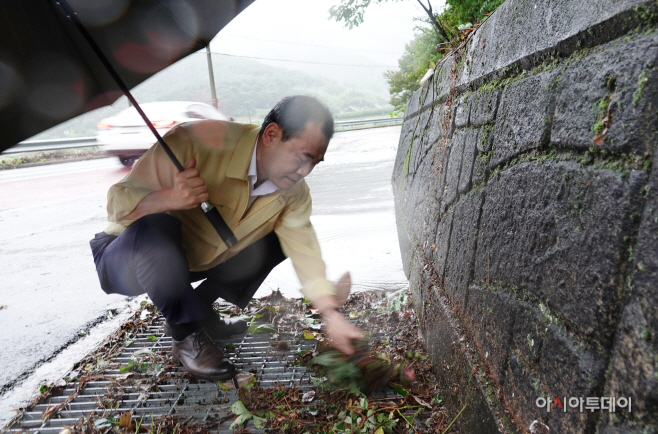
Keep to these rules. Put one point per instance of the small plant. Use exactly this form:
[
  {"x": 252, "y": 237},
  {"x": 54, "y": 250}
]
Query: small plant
[{"x": 362, "y": 418}]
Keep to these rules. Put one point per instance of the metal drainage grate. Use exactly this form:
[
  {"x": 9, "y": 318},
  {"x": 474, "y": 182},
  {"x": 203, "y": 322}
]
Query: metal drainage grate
[{"x": 188, "y": 398}]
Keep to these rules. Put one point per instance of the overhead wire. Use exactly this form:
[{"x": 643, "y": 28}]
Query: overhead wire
[
  {"x": 308, "y": 45},
  {"x": 301, "y": 61}
]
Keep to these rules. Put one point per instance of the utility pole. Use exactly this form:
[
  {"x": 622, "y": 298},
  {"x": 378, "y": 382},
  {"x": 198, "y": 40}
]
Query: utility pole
[{"x": 213, "y": 92}]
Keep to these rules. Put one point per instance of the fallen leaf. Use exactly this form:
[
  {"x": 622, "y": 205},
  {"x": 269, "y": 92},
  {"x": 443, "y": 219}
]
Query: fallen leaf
[
  {"x": 244, "y": 395},
  {"x": 308, "y": 396},
  {"x": 102, "y": 423},
  {"x": 259, "y": 422},
  {"x": 400, "y": 390},
  {"x": 309, "y": 335},
  {"x": 245, "y": 379},
  {"x": 262, "y": 328},
  {"x": 598, "y": 140},
  {"x": 388, "y": 406},
  {"x": 126, "y": 419},
  {"x": 241, "y": 411},
  {"x": 421, "y": 402}
]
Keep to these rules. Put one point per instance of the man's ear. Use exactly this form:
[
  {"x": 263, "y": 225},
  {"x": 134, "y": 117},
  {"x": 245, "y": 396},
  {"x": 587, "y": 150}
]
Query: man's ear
[{"x": 271, "y": 134}]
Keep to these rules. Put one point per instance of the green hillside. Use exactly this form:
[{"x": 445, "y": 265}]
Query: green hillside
[{"x": 246, "y": 90}]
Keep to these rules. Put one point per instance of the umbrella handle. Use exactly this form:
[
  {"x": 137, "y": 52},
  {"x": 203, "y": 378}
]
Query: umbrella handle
[
  {"x": 219, "y": 224},
  {"x": 209, "y": 209}
]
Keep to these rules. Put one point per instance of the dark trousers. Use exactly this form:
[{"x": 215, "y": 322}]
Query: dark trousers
[{"x": 148, "y": 258}]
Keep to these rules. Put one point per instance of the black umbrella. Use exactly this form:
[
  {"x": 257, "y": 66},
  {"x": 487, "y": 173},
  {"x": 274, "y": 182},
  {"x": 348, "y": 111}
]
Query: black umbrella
[{"x": 59, "y": 60}]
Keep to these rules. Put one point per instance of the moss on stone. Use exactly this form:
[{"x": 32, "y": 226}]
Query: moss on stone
[
  {"x": 642, "y": 80},
  {"x": 646, "y": 334}
]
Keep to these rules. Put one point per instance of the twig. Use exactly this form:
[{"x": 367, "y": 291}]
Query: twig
[
  {"x": 405, "y": 419},
  {"x": 453, "y": 421}
]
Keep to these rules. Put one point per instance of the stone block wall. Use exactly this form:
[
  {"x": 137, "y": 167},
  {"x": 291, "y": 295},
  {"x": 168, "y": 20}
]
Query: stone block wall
[{"x": 532, "y": 251}]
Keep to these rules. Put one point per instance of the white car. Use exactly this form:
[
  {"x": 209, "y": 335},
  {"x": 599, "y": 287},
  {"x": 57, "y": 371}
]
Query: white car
[{"x": 127, "y": 136}]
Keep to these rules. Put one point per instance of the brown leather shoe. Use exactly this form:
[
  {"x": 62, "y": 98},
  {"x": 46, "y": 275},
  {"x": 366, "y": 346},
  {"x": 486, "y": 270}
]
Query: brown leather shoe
[
  {"x": 202, "y": 358},
  {"x": 218, "y": 328}
]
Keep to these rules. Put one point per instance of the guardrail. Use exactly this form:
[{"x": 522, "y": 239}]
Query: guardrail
[
  {"x": 368, "y": 123},
  {"x": 85, "y": 142},
  {"x": 51, "y": 145}
]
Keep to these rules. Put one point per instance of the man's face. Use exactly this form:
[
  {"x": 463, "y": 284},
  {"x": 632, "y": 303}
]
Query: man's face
[{"x": 285, "y": 163}]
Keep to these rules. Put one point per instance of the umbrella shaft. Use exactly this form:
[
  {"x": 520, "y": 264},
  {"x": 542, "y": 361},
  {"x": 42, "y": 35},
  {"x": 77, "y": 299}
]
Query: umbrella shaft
[
  {"x": 209, "y": 210},
  {"x": 73, "y": 16}
]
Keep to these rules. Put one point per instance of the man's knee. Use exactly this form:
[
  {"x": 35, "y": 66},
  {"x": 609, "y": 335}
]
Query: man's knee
[{"x": 158, "y": 225}]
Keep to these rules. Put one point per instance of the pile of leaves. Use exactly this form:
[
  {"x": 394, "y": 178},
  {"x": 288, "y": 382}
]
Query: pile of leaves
[{"x": 386, "y": 386}]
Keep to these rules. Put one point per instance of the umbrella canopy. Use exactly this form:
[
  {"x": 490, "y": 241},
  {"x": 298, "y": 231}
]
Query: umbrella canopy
[{"x": 49, "y": 73}]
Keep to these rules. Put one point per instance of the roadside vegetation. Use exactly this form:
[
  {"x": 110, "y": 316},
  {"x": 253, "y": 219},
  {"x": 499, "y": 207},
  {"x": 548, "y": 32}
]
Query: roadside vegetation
[{"x": 437, "y": 34}]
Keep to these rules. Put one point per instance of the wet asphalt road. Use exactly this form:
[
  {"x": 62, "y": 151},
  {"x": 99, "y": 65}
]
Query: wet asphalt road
[{"x": 50, "y": 294}]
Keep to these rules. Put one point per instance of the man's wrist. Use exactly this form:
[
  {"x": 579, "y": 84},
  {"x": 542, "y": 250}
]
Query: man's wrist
[{"x": 327, "y": 305}]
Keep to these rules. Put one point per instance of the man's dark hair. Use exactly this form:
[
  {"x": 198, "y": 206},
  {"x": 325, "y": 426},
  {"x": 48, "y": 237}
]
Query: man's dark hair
[{"x": 292, "y": 114}]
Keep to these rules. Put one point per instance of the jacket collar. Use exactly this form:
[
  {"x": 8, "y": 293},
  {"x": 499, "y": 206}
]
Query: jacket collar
[{"x": 239, "y": 165}]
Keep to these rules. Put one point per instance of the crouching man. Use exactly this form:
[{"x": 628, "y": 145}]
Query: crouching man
[{"x": 158, "y": 241}]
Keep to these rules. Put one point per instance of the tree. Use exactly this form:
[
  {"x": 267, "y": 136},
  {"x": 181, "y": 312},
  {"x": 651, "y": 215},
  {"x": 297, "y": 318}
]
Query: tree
[
  {"x": 423, "y": 51},
  {"x": 418, "y": 55},
  {"x": 351, "y": 12}
]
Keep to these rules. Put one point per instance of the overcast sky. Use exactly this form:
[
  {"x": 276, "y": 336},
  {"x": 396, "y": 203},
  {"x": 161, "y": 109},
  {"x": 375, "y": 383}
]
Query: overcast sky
[{"x": 301, "y": 33}]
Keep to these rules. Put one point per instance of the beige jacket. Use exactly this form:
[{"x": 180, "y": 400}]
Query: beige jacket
[{"x": 223, "y": 152}]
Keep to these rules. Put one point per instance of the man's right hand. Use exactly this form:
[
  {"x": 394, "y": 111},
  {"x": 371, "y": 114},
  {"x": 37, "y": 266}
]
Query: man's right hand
[{"x": 189, "y": 190}]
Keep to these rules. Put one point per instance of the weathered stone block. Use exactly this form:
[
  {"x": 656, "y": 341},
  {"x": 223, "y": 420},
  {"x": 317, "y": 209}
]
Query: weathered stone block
[
  {"x": 449, "y": 193},
  {"x": 490, "y": 328},
  {"x": 524, "y": 116},
  {"x": 634, "y": 371},
  {"x": 529, "y": 331},
  {"x": 480, "y": 171},
  {"x": 453, "y": 371},
  {"x": 406, "y": 136},
  {"x": 441, "y": 125},
  {"x": 634, "y": 361},
  {"x": 418, "y": 283},
  {"x": 561, "y": 24},
  {"x": 645, "y": 272},
  {"x": 522, "y": 376},
  {"x": 424, "y": 209},
  {"x": 413, "y": 105},
  {"x": 444, "y": 78},
  {"x": 521, "y": 391},
  {"x": 463, "y": 238},
  {"x": 484, "y": 106},
  {"x": 462, "y": 112},
  {"x": 483, "y": 156},
  {"x": 468, "y": 160},
  {"x": 419, "y": 142},
  {"x": 617, "y": 82},
  {"x": 568, "y": 371},
  {"x": 561, "y": 232},
  {"x": 442, "y": 241},
  {"x": 404, "y": 239}
]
